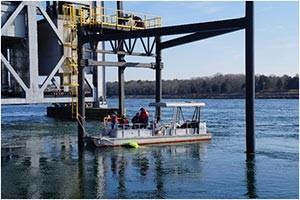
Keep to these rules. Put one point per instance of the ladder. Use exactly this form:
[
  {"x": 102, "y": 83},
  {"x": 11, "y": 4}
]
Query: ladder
[{"x": 70, "y": 69}]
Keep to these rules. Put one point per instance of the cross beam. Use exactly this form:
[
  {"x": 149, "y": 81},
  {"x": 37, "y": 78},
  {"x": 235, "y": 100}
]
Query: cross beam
[{"x": 120, "y": 64}]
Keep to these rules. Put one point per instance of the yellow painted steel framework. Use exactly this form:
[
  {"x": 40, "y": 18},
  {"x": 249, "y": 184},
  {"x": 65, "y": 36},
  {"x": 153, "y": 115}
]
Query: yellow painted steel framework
[{"x": 94, "y": 16}]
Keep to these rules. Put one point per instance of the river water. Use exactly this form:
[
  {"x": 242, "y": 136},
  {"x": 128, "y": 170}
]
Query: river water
[{"x": 40, "y": 159}]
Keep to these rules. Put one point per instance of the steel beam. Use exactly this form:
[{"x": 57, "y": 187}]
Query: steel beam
[
  {"x": 122, "y": 64},
  {"x": 158, "y": 79},
  {"x": 12, "y": 17},
  {"x": 81, "y": 93},
  {"x": 250, "y": 79},
  {"x": 121, "y": 70},
  {"x": 236, "y": 24},
  {"x": 125, "y": 53},
  {"x": 96, "y": 76},
  {"x": 14, "y": 73},
  {"x": 34, "y": 91},
  {"x": 54, "y": 28},
  {"x": 52, "y": 74},
  {"x": 46, "y": 100},
  {"x": 194, "y": 37}
]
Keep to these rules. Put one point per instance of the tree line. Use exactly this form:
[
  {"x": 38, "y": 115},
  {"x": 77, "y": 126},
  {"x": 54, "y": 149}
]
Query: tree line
[{"x": 218, "y": 85}]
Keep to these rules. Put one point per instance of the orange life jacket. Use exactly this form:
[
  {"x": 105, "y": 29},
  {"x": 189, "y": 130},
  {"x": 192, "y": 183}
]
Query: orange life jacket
[{"x": 144, "y": 114}]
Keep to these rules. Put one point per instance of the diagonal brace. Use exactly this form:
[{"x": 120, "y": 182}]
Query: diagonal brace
[
  {"x": 14, "y": 73},
  {"x": 51, "y": 24},
  {"x": 56, "y": 68},
  {"x": 12, "y": 17},
  {"x": 194, "y": 37}
]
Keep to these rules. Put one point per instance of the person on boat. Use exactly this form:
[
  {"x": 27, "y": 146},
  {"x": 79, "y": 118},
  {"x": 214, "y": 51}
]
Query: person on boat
[
  {"x": 135, "y": 120},
  {"x": 124, "y": 123},
  {"x": 114, "y": 120},
  {"x": 107, "y": 121},
  {"x": 143, "y": 117}
]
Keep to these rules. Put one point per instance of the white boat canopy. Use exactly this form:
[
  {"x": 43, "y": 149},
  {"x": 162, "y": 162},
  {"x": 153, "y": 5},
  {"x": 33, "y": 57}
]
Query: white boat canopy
[{"x": 178, "y": 104}]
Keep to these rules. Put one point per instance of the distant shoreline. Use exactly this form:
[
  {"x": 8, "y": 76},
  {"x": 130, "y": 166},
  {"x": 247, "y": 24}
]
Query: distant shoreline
[
  {"x": 219, "y": 86},
  {"x": 294, "y": 94}
]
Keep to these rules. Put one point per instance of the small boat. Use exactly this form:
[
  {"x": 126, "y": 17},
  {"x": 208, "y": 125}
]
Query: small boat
[{"x": 175, "y": 130}]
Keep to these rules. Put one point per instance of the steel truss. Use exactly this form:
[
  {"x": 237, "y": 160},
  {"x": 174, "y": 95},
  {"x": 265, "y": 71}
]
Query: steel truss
[{"x": 33, "y": 91}]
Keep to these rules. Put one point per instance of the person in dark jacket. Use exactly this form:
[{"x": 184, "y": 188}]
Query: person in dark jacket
[{"x": 135, "y": 120}]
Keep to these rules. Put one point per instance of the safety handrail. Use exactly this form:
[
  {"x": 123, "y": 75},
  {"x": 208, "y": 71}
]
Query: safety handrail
[{"x": 86, "y": 15}]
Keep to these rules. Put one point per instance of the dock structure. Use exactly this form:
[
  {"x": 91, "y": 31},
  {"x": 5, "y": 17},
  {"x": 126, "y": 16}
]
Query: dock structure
[
  {"x": 197, "y": 31},
  {"x": 78, "y": 32}
]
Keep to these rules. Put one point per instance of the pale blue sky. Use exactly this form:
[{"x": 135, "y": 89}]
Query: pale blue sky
[{"x": 276, "y": 40}]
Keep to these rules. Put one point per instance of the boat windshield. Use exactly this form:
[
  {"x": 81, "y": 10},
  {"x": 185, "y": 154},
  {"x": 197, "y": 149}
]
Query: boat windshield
[
  {"x": 178, "y": 104},
  {"x": 178, "y": 118}
]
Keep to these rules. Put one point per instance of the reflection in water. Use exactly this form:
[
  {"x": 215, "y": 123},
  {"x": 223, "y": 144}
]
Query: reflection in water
[
  {"x": 80, "y": 175},
  {"x": 99, "y": 170},
  {"x": 159, "y": 175},
  {"x": 251, "y": 177},
  {"x": 122, "y": 179},
  {"x": 58, "y": 170},
  {"x": 142, "y": 162},
  {"x": 118, "y": 167},
  {"x": 114, "y": 163}
]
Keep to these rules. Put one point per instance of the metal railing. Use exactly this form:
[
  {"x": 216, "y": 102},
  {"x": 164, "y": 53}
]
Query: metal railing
[{"x": 92, "y": 16}]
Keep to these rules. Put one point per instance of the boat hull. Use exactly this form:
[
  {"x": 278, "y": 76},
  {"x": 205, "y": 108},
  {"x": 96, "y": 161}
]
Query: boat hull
[{"x": 101, "y": 142}]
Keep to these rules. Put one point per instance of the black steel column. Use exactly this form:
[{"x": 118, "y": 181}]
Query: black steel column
[
  {"x": 96, "y": 103},
  {"x": 250, "y": 79},
  {"x": 121, "y": 69},
  {"x": 81, "y": 95},
  {"x": 158, "y": 79}
]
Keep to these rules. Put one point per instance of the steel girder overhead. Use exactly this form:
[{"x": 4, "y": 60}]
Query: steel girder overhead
[{"x": 214, "y": 28}]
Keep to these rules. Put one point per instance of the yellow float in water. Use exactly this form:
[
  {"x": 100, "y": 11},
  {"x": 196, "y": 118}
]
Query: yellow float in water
[{"x": 131, "y": 145}]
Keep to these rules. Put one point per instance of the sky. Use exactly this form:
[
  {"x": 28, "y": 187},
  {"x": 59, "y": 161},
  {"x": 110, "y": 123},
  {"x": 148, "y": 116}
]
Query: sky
[{"x": 276, "y": 35}]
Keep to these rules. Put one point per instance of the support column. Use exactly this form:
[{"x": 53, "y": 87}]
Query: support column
[
  {"x": 98, "y": 72},
  {"x": 250, "y": 79},
  {"x": 103, "y": 59},
  {"x": 81, "y": 94},
  {"x": 96, "y": 75},
  {"x": 121, "y": 70},
  {"x": 121, "y": 90},
  {"x": 34, "y": 92},
  {"x": 104, "y": 76},
  {"x": 158, "y": 79}
]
